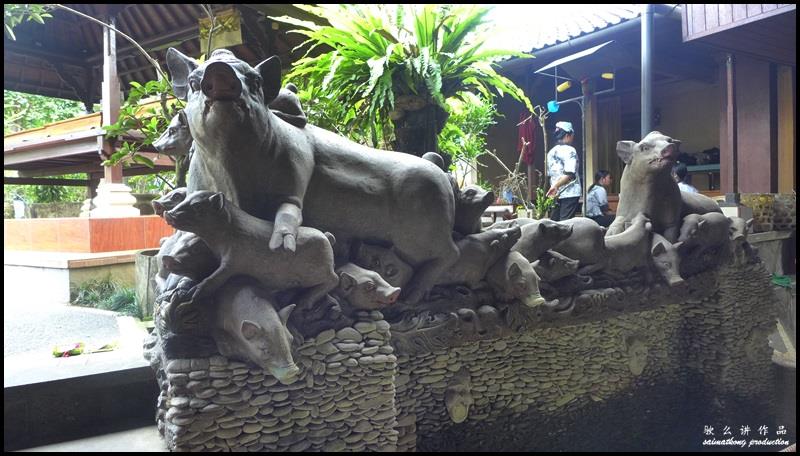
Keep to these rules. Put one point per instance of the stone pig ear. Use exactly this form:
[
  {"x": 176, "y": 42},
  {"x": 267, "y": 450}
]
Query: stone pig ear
[
  {"x": 217, "y": 201},
  {"x": 625, "y": 150},
  {"x": 701, "y": 224},
  {"x": 250, "y": 329},
  {"x": 678, "y": 245},
  {"x": 346, "y": 282},
  {"x": 748, "y": 224},
  {"x": 514, "y": 271},
  {"x": 659, "y": 249},
  {"x": 182, "y": 117},
  {"x": 179, "y": 67},
  {"x": 270, "y": 71},
  {"x": 285, "y": 313}
]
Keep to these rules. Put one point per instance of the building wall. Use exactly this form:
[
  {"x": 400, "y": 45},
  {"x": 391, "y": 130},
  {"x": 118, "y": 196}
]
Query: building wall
[{"x": 689, "y": 112}]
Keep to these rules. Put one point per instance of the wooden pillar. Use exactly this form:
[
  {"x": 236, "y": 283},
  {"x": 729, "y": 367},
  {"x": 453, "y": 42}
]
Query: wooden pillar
[
  {"x": 110, "y": 96},
  {"x": 114, "y": 198},
  {"x": 590, "y": 144},
  {"x": 728, "y": 130},
  {"x": 787, "y": 147},
  {"x": 755, "y": 128}
]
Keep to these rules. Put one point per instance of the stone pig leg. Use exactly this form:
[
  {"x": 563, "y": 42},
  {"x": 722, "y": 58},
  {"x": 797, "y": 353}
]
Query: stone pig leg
[
  {"x": 309, "y": 297},
  {"x": 426, "y": 274},
  {"x": 211, "y": 283},
  {"x": 617, "y": 226},
  {"x": 287, "y": 223}
]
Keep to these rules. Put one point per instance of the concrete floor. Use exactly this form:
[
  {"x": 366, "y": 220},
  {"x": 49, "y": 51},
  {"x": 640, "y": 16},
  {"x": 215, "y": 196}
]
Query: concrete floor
[{"x": 144, "y": 439}]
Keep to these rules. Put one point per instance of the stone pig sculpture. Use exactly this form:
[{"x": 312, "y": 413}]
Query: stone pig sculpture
[
  {"x": 239, "y": 240},
  {"x": 311, "y": 176},
  {"x": 629, "y": 249},
  {"x": 471, "y": 202},
  {"x": 458, "y": 396},
  {"x": 647, "y": 186},
  {"x": 739, "y": 229},
  {"x": 169, "y": 201},
  {"x": 665, "y": 259},
  {"x": 385, "y": 262},
  {"x": 513, "y": 277},
  {"x": 540, "y": 236},
  {"x": 704, "y": 231},
  {"x": 177, "y": 139},
  {"x": 190, "y": 258},
  {"x": 477, "y": 253},
  {"x": 168, "y": 245},
  {"x": 552, "y": 266},
  {"x": 247, "y": 327},
  {"x": 365, "y": 289},
  {"x": 586, "y": 244},
  {"x": 738, "y": 236}
]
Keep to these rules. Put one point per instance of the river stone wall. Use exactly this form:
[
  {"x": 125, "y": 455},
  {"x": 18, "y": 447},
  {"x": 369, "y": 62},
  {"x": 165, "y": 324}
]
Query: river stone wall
[{"x": 356, "y": 393}]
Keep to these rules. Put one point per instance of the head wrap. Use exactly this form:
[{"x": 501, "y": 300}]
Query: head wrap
[{"x": 566, "y": 126}]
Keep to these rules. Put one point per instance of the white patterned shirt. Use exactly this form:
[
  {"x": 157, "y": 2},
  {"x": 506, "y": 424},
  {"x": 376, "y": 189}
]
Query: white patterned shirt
[
  {"x": 564, "y": 159},
  {"x": 596, "y": 198}
]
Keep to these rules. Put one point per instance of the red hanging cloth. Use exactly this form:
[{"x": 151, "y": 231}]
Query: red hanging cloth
[{"x": 527, "y": 137}]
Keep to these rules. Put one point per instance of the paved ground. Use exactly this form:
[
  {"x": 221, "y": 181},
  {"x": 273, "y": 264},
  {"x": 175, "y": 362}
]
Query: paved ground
[
  {"x": 145, "y": 439},
  {"x": 40, "y": 327}
]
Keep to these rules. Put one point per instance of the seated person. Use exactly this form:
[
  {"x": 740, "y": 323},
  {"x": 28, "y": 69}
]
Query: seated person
[
  {"x": 681, "y": 176},
  {"x": 597, "y": 199}
]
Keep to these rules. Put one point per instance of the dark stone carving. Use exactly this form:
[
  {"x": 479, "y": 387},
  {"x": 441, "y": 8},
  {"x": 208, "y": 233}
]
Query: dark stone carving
[
  {"x": 513, "y": 277},
  {"x": 538, "y": 236},
  {"x": 552, "y": 266},
  {"x": 477, "y": 253},
  {"x": 190, "y": 258},
  {"x": 293, "y": 238},
  {"x": 169, "y": 201},
  {"x": 249, "y": 328},
  {"x": 364, "y": 289},
  {"x": 458, "y": 397},
  {"x": 215, "y": 220},
  {"x": 384, "y": 261},
  {"x": 271, "y": 170},
  {"x": 471, "y": 202},
  {"x": 647, "y": 187}
]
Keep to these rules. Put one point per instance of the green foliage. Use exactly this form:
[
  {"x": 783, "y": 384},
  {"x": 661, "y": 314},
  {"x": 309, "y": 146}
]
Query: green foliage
[
  {"x": 148, "y": 123},
  {"x": 464, "y": 135},
  {"x": 47, "y": 193},
  {"x": 14, "y": 15},
  {"x": 326, "y": 112},
  {"x": 153, "y": 183},
  {"x": 381, "y": 53},
  {"x": 543, "y": 204},
  {"x": 107, "y": 295},
  {"x": 22, "y": 111}
]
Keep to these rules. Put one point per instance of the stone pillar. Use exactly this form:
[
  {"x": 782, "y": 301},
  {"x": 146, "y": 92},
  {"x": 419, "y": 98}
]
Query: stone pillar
[{"x": 113, "y": 198}]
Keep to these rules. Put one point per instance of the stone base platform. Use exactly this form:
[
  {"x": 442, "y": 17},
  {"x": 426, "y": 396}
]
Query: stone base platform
[{"x": 364, "y": 387}]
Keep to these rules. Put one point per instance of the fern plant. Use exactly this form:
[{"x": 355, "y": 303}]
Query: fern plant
[{"x": 399, "y": 64}]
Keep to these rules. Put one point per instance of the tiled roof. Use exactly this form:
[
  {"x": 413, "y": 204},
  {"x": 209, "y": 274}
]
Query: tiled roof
[{"x": 581, "y": 23}]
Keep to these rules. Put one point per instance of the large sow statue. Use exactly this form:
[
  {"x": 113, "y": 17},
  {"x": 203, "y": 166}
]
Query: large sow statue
[
  {"x": 647, "y": 187},
  {"x": 276, "y": 171}
]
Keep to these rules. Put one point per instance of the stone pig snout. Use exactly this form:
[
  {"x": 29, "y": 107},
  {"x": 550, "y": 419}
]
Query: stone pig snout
[{"x": 220, "y": 82}]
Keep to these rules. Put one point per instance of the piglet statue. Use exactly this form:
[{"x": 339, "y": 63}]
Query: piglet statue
[{"x": 247, "y": 327}]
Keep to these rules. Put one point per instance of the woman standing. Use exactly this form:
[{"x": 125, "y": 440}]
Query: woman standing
[
  {"x": 562, "y": 167},
  {"x": 597, "y": 199}
]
